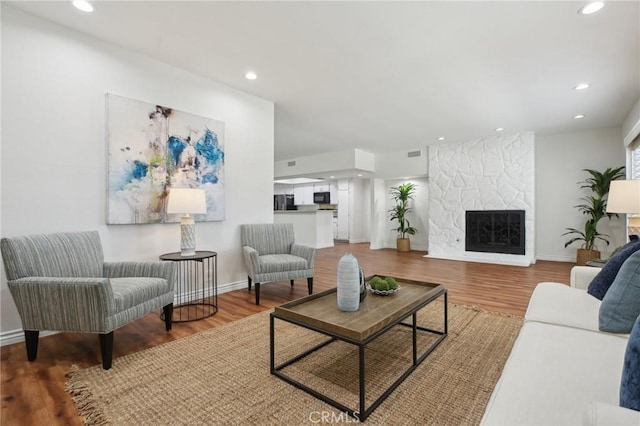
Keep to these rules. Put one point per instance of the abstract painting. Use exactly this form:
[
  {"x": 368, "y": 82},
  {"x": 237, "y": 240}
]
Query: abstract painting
[{"x": 154, "y": 148}]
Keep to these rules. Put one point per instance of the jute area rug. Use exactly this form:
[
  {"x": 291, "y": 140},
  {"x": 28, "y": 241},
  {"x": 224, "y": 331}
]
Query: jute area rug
[{"x": 221, "y": 376}]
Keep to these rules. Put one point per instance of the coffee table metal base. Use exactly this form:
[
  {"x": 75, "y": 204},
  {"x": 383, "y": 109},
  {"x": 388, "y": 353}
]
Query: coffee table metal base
[{"x": 363, "y": 412}]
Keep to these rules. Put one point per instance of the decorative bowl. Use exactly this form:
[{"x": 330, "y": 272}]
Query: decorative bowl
[{"x": 382, "y": 292}]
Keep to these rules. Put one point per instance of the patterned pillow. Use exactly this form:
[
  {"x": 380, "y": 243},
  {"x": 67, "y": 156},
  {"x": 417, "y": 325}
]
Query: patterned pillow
[
  {"x": 600, "y": 284},
  {"x": 630, "y": 383},
  {"x": 621, "y": 305}
]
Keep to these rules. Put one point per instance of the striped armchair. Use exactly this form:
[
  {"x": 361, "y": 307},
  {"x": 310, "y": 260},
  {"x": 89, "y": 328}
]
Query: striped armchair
[
  {"x": 270, "y": 254},
  {"x": 61, "y": 282}
]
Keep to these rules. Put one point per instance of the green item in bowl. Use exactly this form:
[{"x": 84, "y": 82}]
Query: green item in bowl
[
  {"x": 375, "y": 281},
  {"x": 391, "y": 283},
  {"x": 382, "y": 286}
]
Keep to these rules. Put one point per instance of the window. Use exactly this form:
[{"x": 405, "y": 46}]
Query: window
[{"x": 634, "y": 167}]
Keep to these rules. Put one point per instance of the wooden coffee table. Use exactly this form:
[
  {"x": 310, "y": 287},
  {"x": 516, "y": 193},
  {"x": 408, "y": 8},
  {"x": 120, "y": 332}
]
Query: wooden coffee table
[{"x": 376, "y": 315}]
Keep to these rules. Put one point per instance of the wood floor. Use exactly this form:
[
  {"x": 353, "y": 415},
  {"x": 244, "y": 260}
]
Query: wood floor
[{"x": 33, "y": 393}]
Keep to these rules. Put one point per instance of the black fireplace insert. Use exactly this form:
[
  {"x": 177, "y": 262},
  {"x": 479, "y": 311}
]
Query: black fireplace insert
[{"x": 495, "y": 231}]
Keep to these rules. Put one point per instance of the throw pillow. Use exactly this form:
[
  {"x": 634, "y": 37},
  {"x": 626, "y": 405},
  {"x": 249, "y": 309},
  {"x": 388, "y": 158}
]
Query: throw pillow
[
  {"x": 630, "y": 383},
  {"x": 600, "y": 284},
  {"x": 621, "y": 305}
]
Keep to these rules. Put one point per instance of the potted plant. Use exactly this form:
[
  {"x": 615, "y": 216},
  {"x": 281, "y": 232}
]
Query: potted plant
[
  {"x": 594, "y": 206},
  {"x": 402, "y": 194}
]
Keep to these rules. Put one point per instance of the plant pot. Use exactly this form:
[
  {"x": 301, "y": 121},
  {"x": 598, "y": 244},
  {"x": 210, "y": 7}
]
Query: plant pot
[
  {"x": 585, "y": 256},
  {"x": 403, "y": 244}
]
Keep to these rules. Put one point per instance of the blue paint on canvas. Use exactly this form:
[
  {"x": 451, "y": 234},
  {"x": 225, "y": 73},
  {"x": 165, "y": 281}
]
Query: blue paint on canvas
[
  {"x": 175, "y": 145},
  {"x": 140, "y": 169},
  {"x": 209, "y": 148}
]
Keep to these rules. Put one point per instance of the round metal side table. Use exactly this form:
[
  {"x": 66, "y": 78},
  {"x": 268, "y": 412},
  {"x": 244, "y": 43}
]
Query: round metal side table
[{"x": 196, "y": 285}]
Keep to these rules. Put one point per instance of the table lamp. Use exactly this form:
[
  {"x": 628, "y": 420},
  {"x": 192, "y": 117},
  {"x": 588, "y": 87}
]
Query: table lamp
[
  {"x": 187, "y": 201},
  {"x": 624, "y": 197}
]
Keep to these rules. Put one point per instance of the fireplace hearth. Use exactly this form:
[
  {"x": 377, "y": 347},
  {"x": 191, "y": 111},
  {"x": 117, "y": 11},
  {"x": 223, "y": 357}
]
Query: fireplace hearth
[{"x": 495, "y": 231}]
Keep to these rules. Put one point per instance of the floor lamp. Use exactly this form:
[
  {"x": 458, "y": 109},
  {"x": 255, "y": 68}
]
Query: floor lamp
[
  {"x": 624, "y": 197},
  {"x": 187, "y": 201}
]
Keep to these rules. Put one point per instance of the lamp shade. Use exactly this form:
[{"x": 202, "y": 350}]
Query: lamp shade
[
  {"x": 624, "y": 196},
  {"x": 187, "y": 200}
]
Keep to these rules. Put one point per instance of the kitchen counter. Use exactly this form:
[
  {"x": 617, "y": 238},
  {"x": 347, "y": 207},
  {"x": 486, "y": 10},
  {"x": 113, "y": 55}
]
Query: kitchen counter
[{"x": 313, "y": 228}]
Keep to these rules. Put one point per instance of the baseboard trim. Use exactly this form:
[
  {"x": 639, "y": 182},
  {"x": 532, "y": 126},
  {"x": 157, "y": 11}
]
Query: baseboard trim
[
  {"x": 514, "y": 262},
  {"x": 16, "y": 336},
  {"x": 358, "y": 241},
  {"x": 556, "y": 258},
  {"x": 226, "y": 288}
]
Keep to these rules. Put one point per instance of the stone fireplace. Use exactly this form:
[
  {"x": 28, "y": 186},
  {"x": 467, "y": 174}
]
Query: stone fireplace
[{"x": 496, "y": 176}]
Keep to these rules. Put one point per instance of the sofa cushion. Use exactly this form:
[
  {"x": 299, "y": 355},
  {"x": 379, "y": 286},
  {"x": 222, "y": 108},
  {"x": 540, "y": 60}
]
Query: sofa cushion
[
  {"x": 601, "y": 283},
  {"x": 553, "y": 373},
  {"x": 131, "y": 291},
  {"x": 621, "y": 305},
  {"x": 557, "y": 303},
  {"x": 602, "y": 414},
  {"x": 281, "y": 263},
  {"x": 630, "y": 383}
]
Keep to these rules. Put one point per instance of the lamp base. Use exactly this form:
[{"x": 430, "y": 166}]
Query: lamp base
[
  {"x": 187, "y": 236},
  {"x": 187, "y": 252}
]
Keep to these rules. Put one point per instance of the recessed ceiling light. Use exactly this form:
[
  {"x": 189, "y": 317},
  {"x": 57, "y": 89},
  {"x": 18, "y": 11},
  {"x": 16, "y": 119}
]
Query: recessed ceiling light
[
  {"x": 83, "y": 5},
  {"x": 590, "y": 8},
  {"x": 359, "y": 174},
  {"x": 331, "y": 177},
  {"x": 579, "y": 116},
  {"x": 441, "y": 138},
  {"x": 499, "y": 129},
  {"x": 581, "y": 86},
  {"x": 250, "y": 75}
]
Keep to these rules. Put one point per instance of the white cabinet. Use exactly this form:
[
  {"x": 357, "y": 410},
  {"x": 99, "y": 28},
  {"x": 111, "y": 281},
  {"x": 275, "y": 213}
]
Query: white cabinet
[
  {"x": 298, "y": 196},
  {"x": 333, "y": 190},
  {"x": 279, "y": 189},
  {"x": 307, "y": 194},
  {"x": 321, "y": 187},
  {"x": 303, "y": 194}
]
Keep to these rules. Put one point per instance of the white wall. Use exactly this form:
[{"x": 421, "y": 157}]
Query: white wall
[
  {"x": 560, "y": 159},
  {"x": 381, "y": 233},
  {"x": 631, "y": 124},
  {"x": 398, "y": 164},
  {"x": 359, "y": 210},
  {"x": 379, "y": 219},
  {"x": 495, "y": 173},
  {"x": 54, "y": 161},
  {"x": 327, "y": 162}
]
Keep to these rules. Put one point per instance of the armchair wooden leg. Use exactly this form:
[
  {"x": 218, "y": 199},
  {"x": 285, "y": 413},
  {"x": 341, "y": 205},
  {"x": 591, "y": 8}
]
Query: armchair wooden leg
[
  {"x": 310, "y": 285},
  {"x": 31, "y": 340},
  {"x": 291, "y": 283},
  {"x": 168, "y": 315},
  {"x": 106, "y": 349},
  {"x": 249, "y": 281},
  {"x": 257, "y": 293}
]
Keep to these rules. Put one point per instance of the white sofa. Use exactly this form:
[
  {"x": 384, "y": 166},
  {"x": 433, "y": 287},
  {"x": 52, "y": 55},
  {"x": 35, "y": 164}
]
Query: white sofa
[{"x": 562, "y": 370}]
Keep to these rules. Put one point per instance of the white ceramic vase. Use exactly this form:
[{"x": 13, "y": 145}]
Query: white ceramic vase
[{"x": 348, "y": 283}]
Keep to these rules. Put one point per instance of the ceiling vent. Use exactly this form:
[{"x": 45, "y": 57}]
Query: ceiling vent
[
  {"x": 291, "y": 163},
  {"x": 411, "y": 154}
]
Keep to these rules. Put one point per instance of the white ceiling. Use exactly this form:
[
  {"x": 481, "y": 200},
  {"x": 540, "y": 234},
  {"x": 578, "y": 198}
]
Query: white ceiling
[{"x": 384, "y": 76}]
